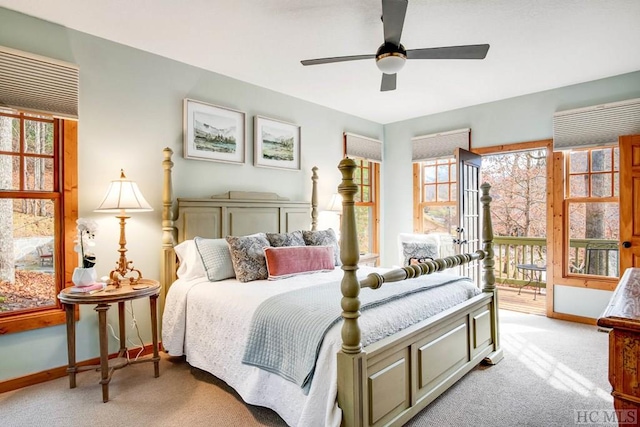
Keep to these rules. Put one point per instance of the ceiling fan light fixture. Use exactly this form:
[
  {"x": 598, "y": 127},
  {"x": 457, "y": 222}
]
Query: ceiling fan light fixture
[{"x": 391, "y": 62}]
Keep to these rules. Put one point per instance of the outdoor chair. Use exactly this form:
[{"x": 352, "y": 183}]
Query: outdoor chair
[
  {"x": 601, "y": 258},
  {"x": 46, "y": 256}
]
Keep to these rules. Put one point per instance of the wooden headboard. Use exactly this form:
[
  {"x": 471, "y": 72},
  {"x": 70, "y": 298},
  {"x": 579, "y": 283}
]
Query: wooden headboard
[
  {"x": 238, "y": 213},
  {"x": 235, "y": 213}
]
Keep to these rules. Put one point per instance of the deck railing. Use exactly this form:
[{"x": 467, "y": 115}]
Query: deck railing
[{"x": 511, "y": 251}]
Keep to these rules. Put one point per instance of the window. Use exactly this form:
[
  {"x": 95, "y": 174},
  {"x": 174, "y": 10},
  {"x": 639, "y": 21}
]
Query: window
[
  {"x": 435, "y": 193},
  {"x": 37, "y": 203},
  {"x": 366, "y": 204},
  {"x": 591, "y": 200}
]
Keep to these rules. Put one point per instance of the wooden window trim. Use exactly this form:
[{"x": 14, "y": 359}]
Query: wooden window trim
[
  {"x": 374, "y": 192},
  {"x": 561, "y": 274},
  {"x": 65, "y": 228},
  {"x": 418, "y": 195},
  {"x": 376, "y": 208}
]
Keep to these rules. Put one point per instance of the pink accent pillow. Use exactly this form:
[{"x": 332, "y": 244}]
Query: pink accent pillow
[{"x": 287, "y": 261}]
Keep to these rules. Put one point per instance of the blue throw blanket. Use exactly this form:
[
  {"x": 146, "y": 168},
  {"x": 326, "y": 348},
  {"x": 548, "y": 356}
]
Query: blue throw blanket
[{"x": 287, "y": 330}]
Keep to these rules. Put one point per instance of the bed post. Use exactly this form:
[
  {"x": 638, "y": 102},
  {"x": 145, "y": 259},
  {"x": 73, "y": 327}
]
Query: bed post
[
  {"x": 488, "y": 276},
  {"x": 314, "y": 198},
  {"x": 350, "y": 357},
  {"x": 168, "y": 269}
]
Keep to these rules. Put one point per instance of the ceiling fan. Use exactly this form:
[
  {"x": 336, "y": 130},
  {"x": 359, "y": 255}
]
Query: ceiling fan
[{"x": 391, "y": 56}]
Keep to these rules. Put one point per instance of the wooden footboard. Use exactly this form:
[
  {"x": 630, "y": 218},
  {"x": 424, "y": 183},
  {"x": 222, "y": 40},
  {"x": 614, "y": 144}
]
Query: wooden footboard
[
  {"x": 402, "y": 374},
  {"x": 388, "y": 382}
]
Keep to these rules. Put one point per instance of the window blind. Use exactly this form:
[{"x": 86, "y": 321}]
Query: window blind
[
  {"x": 363, "y": 147},
  {"x": 38, "y": 84},
  {"x": 596, "y": 125},
  {"x": 439, "y": 145}
]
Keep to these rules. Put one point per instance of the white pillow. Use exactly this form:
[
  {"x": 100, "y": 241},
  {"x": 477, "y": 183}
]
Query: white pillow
[
  {"x": 191, "y": 265},
  {"x": 216, "y": 258},
  {"x": 414, "y": 238}
]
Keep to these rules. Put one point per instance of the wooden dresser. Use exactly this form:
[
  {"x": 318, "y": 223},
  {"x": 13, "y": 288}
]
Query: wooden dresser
[{"x": 623, "y": 316}]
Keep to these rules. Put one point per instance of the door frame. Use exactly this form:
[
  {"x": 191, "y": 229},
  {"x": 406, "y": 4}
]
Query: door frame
[
  {"x": 546, "y": 144},
  {"x": 629, "y": 169}
]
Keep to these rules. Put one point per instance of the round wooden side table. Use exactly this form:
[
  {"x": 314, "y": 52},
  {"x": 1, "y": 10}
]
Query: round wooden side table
[{"x": 103, "y": 300}]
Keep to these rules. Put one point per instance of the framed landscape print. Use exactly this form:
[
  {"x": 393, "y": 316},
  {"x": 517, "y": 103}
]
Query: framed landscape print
[
  {"x": 277, "y": 144},
  {"x": 213, "y": 133}
]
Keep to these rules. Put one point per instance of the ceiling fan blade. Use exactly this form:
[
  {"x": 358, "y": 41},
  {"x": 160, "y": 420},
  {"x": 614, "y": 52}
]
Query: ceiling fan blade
[
  {"x": 336, "y": 59},
  {"x": 393, "y": 13},
  {"x": 472, "y": 51},
  {"x": 388, "y": 82}
]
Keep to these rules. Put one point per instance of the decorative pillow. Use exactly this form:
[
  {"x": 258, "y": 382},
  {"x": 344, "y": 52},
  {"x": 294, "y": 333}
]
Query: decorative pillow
[
  {"x": 418, "y": 250},
  {"x": 323, "y": 238},
  {"x": 247, "y": 256},
  {"x": 432, "y": 238},
  {"x": 289, "y": 261},
  {"x": 286, "y": 239},
  {"x": 190, "y": 261},
  {"x": 216, "y": 258}
]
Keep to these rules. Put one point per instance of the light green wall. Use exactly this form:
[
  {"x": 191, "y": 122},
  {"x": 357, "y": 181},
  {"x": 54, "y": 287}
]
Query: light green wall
[
  {"x": 130, "y": 109},
  {"x": 524, "y": 118}
]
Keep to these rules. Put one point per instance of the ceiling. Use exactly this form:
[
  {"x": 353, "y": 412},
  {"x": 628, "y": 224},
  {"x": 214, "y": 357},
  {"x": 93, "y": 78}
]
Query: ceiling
[{"x": 535, "y": 45}]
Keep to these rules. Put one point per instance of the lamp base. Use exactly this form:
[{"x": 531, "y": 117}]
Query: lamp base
[
  {"x": 124, "y": 267},
  {"x": 116, "y": 277}
]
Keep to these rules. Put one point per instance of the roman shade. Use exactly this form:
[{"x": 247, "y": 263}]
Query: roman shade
[
  {"x": 595, "y": 126},
  {"x": 38, "y": 84},
  {"x": 438, "y": 145},
  {"x": 363, "y": 147}
]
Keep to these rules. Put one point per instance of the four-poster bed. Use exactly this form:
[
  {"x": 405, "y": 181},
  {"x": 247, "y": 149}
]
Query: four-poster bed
[{"x": 384, "y": 382}]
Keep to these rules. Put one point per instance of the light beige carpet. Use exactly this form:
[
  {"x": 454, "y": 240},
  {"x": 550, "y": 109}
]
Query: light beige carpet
[{"x": 551, "y": 369}]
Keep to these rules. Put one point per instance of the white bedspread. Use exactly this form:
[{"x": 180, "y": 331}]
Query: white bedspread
[{"x": 218, "y": 315}]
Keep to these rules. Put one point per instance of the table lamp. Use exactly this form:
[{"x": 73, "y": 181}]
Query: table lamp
[
  {"x": 335, "y": 205},
  {"x": 123, "y": 197}
]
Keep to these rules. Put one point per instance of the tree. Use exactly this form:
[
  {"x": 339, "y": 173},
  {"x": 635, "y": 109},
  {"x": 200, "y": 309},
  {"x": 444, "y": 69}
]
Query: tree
[
  {"x": 518, "y": 187},
  {"x": 7, "y": 266},
  {"x": 595, "y": 216}
]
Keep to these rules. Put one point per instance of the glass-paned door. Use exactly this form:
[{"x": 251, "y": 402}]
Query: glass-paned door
[{"x": 469, "y": 231}]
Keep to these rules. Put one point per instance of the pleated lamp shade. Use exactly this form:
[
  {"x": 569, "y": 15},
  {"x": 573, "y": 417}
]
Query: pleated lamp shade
[{"x": 123, "y": 195}]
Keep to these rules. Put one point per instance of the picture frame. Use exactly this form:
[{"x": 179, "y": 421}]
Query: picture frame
[
  {"x": 277, "y": 144},
  {"x": 213, "y": 133}
]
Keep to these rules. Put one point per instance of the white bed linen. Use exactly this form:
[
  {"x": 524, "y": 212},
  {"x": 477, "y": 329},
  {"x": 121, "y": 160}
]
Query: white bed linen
[{"x": 218, "y": 315}]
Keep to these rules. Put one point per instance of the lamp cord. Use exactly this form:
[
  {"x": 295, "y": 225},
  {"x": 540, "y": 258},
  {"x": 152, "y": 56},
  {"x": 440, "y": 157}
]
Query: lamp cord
[{"x": 134, "y": 325}]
